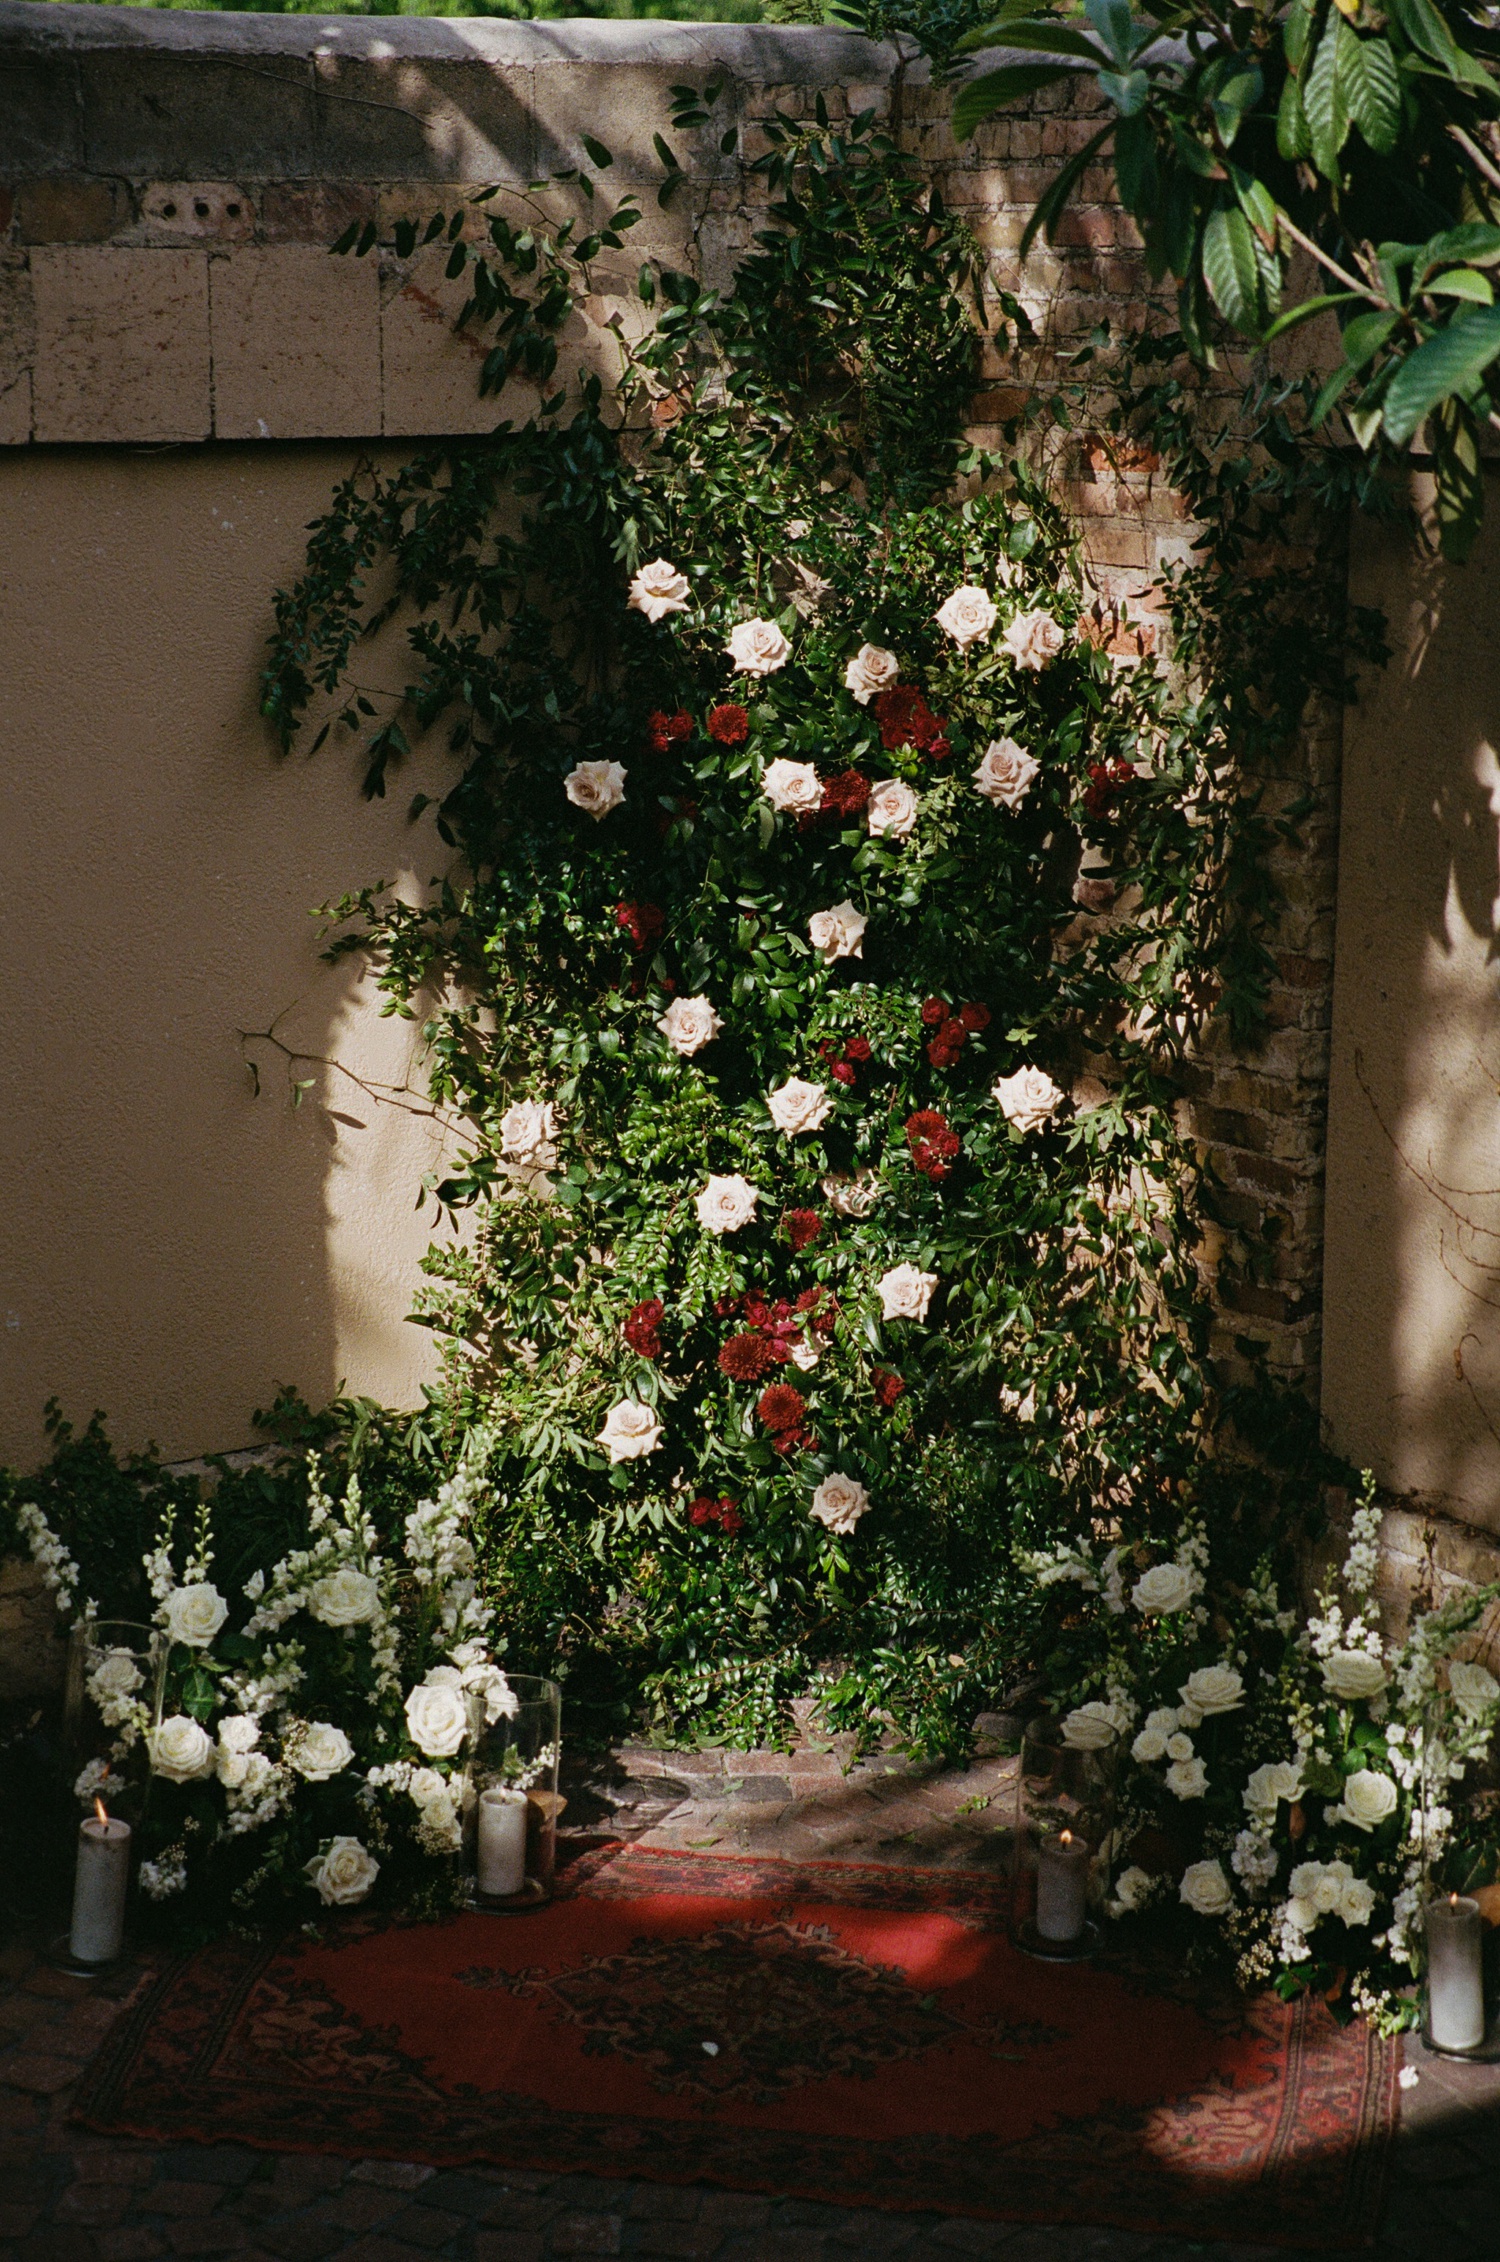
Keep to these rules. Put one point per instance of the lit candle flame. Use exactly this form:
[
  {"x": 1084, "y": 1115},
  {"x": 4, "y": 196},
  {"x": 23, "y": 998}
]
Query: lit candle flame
[
  {"x": 100, "y": 1809},
  {"x": 1453, "y": 1900},
  {"x": 1067, "y": 1838}
]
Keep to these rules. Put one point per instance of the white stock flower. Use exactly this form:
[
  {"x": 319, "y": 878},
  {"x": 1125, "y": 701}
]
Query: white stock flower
[
  {"x": 343, "y": 1873},
  {"x": 1028, "y": 1099},
  {"x": 726, "y": 1204},
  {"x": 689, "y": 1024},
  {"x": 872, "y": 669},
  {"x": 855, "y": 1196},
  {"x": 839, "y": 933},
  {"x": 892, "y": 812},
  {"x": 346, "y": 1597},
  {"x": 1033, "y": 639},
  {"x": 1368, "y": 1798},
  {"x": 967, "y": 616},
  {"x": 527, "y": 1131},
  {"x": 1090, "y": 1727},
  {"x": 1214, "y": 1688},
  {"x": 1187, "y": 1779},
  {"x": 757, "y": 647},
  {"x": 181, "y": 1748},
  {"x": 1164, "y": 1588},
  {"x": 839, "y": 1502},
  {"x": 194, "y": 1614},
  {"x": 905, "y": 1292},
  {"x": 1352, "y": 1673},
  {"x": 596, "y": 787},
  {"x": 1472, "y": 1688},
  {"x": 797, "y": 1106},
  {"x": 437, "y": 1716},
  {"x": 792, "y": 786},
  {"x": 317, "y": 1750},
  {"x": 1205, "y": 1889},
  {"x": 1005, "y": 773},
  {"x": 630, "y": 1431},
  {"x": 659, "y": 589}
]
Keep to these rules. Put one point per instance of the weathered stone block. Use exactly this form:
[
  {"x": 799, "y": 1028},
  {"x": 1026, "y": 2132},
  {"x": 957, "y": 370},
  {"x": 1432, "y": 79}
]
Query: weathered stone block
[
  {"x": 405, "y": 119},
  {"x": 162, "y": 116},
  {"x": 636, "y": 107},
  {"x": 431, "y": 373},
  {"x": 70, "y": 209},
  {"x": 121, "y": 344},
  {"x": 17, "y": 351},
  {"x": 33, "y": 1653},
  {"x": 40, "y": 126},
  {"x": 296, "y": 345}
]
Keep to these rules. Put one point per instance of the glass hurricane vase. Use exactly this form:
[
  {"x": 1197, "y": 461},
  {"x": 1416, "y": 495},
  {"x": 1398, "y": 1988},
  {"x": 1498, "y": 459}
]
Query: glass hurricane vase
[
  {"x": 510, "y": 1797},
  {"x": 1064, "y": 1834}
]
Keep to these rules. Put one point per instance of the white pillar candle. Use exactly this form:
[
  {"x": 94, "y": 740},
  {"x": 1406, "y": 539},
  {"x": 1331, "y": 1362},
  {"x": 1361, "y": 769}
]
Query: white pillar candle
[
  {"x": 1062, "y": 1887},
  {"x": 99, "y": 1888},
  {"x": 1455, "y": 1973},
  {"x": 500, "y": 1846}
]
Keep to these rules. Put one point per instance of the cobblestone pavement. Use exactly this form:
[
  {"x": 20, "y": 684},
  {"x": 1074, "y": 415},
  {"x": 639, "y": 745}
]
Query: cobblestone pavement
[{"x": 66, "y": 2196}]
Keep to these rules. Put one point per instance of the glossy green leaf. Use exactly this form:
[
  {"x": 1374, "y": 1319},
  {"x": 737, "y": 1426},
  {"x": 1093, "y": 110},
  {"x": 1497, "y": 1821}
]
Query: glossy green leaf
[
  {"x": 1451, "y": 362},
  {"x": 1325, "y": 103},
  {"x": 1231, "y": 270},
  {"x": 979, "y": 98},
  {"x": 1371, "y": 86}
]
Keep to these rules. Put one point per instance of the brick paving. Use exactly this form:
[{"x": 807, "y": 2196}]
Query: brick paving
[{"x": 67, "y": 2196}]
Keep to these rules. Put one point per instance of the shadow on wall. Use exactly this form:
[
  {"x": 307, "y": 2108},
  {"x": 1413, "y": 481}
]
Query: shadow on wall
[
  {"x": 171, "y": 1247},
  {"x": 1412, "y": 1356}
]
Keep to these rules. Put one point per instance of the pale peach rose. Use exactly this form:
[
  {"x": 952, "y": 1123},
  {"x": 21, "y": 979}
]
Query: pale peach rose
[
  {"x": 905, "y": 1292},
  {"x": 726, "y": 1204},
  {"x": 853, "y": 1197},
  {"x": 796, "y": 1106},
  {"x": 689, "y": 1024},
  {"x": 1005, "y": 774},
  {"x": 872, "y": 669},
  {"x": 630, "y": 1431},
  {"x": 1028, "y": 1099},
  {"x": 839, "y": 933},
  {"x": 967, "y": 616},
  {"x": 527, "y": 1131},
  {"x": 892, "y": 810},
  {"x": 794, "y": 786},
  {"x": 595, "y": 787},
  {"x": 1033, "y": 640},
  {"x": 757, "y": 647},
  {"x": 659, "y": 589},
  {"x": 839, "y": 1502}
]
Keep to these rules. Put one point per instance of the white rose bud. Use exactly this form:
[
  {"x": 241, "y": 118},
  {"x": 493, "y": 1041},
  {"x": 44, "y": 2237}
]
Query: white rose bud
[
  {"x": 1164, "y": 1588},
  {"x": 1133, "y": 1887},
  {"x": 1179, "y": 1746},
  {"x": 659, "y": 589},
  {"x": 596, "y": 787},
  {"x": 345, "y": 1598},
  {"x": 1005, "y": 773},
  {"x": 905, "y": 1292},
  {"x": 792, "y": 786},
  {"x": 630, "y": 1431},
  {"x": 689, "y": 1024},
  {"x": 892, "y": 813},
  {"x": 437, "y": 1718},
  {"x": 1205, "y": 1889},
  {"x": 1214, "y": 1688},
  {"x": 195, "y": 1614},
  {"x": 872, "y": 669},
  {"x": 967, "y": 616},
  {"x": 797, "y": 1106},
  {"x": 1187, "y": 1779},
  {"x": 182, "y": 1749},
  {"x": 839, "y": 933},
  {"x": 343, "y": 1873},
  {"x": 1033, "y": 640},
  {"x": 1149, "y": 1746},
  {"x": 116, "y": 1675},
  {"x": 757, "y": 647},
  {"x": 1352, "y": 1673},
  {"x": 318, "y": 1750},
  {"x": 839, "y": 1502},
  {"x": 1369, "y": 1798},
  {"x": 726, "y": 1204},
  {"x": 1028, "y": 1099}
]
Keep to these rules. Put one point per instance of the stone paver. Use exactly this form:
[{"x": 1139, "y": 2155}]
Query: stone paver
[{"x": 68, "y": 2196}]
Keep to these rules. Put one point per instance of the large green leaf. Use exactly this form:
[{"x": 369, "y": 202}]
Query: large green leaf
[
  {"x": 990, "y": 92},
  {"x": 1293, "y": 135},
  {"x": 1324, "y": 101},
  {"x": 1044, "y": 34},
  {"x": 1232, "y": 271},
  {"x": 1451, "y": 362},
  {"x": 1426, "y": 30},
  {"x": 1307, "y": 311},
  {"x": 1372, "y": 88}
]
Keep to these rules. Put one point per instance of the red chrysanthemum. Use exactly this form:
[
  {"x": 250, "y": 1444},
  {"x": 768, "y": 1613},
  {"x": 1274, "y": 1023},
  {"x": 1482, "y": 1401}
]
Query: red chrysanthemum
[
  {"x": 643, "y": 922},
  {"x": 888, "y": 1387},
  {"x": 703, "y": 1510},
  {"x": 781, "y": 1408},
  {"x": 905, "y": 719},
  {"x": 933, "y": 1144},
  {"x": 802, "y": 1226},
  {"x": 643, "y": 1327},
  {"x": 934, "y": 1010},
  {"x": 1107, "y": 780},
  {"x": 974, "y": 1017},
  {"x": 745, "y": 1358},
  {"x": 661, "y": 730},
  {"x": 842, "y": 1072},
  {"x": 858, "y": 1048},
  {"x": 729, "y": 724},
  {"x": 847, "y": 795}
]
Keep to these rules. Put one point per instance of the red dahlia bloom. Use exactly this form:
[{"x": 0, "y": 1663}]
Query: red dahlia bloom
[
  {"x": 802, "y": 1226},
  {"x": 974, "y": 1017},
  {"x": 781, "y": 1407},
  {"x": 643, "y": 1327},
  {"x": 729, "y": 724},
  {"x": 934, "y": 1010},
  {"x": 745, "y": 1358},
  {"x": 847, "y": 794},
  {"x": 662, "y": 729},
  {"x": 888, "y": 1387}
]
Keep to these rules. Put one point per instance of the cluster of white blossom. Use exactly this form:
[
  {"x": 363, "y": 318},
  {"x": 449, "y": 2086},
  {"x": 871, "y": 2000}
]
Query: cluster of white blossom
[
  {"x": 60, "y": 1574},
  {"x": 97, "y": 1781},
  {"x": 166, "y": 1875},
  {"x": 441, "y": 1553},
  {"x": 1254, "y": 1862}
]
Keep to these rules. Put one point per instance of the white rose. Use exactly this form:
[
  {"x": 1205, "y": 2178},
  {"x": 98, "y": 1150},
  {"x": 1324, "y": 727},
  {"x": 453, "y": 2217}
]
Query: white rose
[
  {"x": 659, "y": 589},
  {"x": 1179, "y": 1746},
  {"x": 231, "y": 1767},
  {"x": 424, "y": 1784},
  {"x": 1133, "y": 1887},
  {"x": 853, "y": 1197},
  {"x": 181, "y": 1749},
  {"x": 437, "y": 1718},
  {"x": 1149, "y": 1746},
  {"x": 872, "y": 669},
  {"x": 757, "y": 647},
  {"x": 439, "y": 1828},
  {"x": 726, "y": 1204},
  {"x": 630, "y": 1431},
  {"x": 805, "y": 1355},
  {"x": 839, "y": 933},
  {"x": 967, "y": 616},
  {"x": 1214, "y": 1688},
  {"x": 344, "y": 1598},
  {"x": 1351, "y": 1673},
  {"x": 1164, "y": 1588},
  {"x": 1028, "y": 1099},
  {"x": 1267, "y": 1786},
  {"x": 444, "y": 1677},
  {"x": 195, "y": 1614},
  {"x": 1368, "y": 1798},
  {"x": 794, "y": 786},
  {"x": 1032, "y": 639},
  {"x": 239, "y": 1731},
  {"x": 596, "y": 787},
  {"x": 1205, "y": 1889},
  {"x": 500, "y": 1699},
  {"x": 839, "y": 1502},
  {"x": 1187, "y": 1779},
  {"x": 1005, "y": 773},
  {"x": 342, "y": 1873},
  {"x": 689, "y": 1024},
  {"x": 1163, "y": 1720},
  {"x": 1472, "y": 1688},
  {"x": 1357, "y": 1902},
  {"x": 318, "y": 1750},
  {"x": 905, "y": 1292},
  {"x": 116, "y": 1675},
  {"x": 1327, "y": 1890},
  {"x": 892, "y": 810},
  {"x": 1300, "y": 1913},
  {"x": 796, "y": 1106},
  {"x": 527, "y": 1130},
  {"x": 1090, "y": 1727}
]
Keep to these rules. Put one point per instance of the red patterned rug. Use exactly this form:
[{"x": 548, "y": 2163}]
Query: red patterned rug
[{"x": 825, "y": 2031}]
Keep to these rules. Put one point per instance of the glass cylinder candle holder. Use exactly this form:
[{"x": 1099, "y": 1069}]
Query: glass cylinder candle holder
[
  {"x": 112, "y": 1701},
  {"x": 1453, "y": 2009},
  {"x": 510, "y": 1799},
  {"x": 1065, "y": 1819}
]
